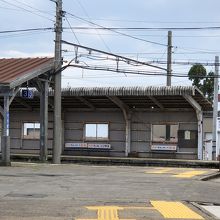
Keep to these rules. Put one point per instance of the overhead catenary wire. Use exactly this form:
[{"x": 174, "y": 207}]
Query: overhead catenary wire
[
  {"x": 111, "y": 54},
  {"x": 115, "y": 31},
  {"x": 137, "y": 72}
]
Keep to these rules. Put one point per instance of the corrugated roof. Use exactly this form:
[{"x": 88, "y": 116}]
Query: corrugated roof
[
  {"x": 138, "y": 97},
  {"x": 131, "y": 91},
  {"x": 16, "y": 68}
]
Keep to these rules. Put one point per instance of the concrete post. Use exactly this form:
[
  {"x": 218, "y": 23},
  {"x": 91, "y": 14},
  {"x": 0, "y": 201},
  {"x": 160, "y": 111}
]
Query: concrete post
[
  {"x": 215, "y": 110},
  {"x": 57, "y": 145}
]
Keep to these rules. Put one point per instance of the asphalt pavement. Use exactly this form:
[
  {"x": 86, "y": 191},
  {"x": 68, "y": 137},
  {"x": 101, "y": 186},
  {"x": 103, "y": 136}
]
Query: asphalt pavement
[{"x": 88, "y": 192}]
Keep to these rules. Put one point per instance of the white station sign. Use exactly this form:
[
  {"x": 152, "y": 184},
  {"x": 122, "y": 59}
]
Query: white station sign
[
  {"x": 163, "y": 147},
  {"x": 86, "y": 145}
]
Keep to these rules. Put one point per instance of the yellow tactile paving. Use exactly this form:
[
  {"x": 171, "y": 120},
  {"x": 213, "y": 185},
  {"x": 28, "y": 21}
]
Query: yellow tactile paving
[
  {"x": 177, "y": 172},
  {"x": 106, "y": 212},
  {"x": 160, "y": 171},
  {"x": 190, "y": 174},
  {"x": 175, "y": 210}
]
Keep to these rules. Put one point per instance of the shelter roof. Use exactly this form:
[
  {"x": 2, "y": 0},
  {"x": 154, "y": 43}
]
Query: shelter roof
[
  {"x": 133, "y": 91},
  {"x": 15, "y": 71},
  {"x": 136, "y": 98},
  {"x": 140, "y": 97}
]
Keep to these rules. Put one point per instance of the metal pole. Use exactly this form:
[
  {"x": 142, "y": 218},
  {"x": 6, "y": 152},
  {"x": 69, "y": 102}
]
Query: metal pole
[
  {"x": 6, "y": 138},
  {"x": 169, "y": 58},
  {"x": 215, "y": 150},
  {"x": 44, "y": 122},
  {"x": 57, "y": 87}
]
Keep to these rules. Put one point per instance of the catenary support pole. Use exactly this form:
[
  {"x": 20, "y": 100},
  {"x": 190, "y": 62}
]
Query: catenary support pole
[
  {"x": 169, "y": 58},
  {"x": 57, "y": 126},
  {"x": 6, "y": 138},
  {"x": 215, "y": 147},
  {"x": 169, "y": 73},
  {"x": 44, "y": 122}
]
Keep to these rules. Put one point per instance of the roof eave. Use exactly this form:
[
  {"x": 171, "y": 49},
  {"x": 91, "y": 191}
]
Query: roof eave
[{"x": 32, "y": 74}]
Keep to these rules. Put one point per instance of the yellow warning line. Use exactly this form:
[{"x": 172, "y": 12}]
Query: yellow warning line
[
  {"x": 189, "y": 174},
  {"x": 175, "y": 210}
]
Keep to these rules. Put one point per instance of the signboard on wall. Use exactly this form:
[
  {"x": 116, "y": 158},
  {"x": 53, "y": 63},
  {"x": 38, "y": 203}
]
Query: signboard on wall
[
  {"x": 163, "y": 147},
  {"x": 76, "y": 145},
  {"x": 86, "y": 145},
  {"x": 99, "y": 146}
]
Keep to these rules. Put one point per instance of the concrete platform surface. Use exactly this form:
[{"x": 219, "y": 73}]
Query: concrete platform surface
[
  {"x": 90, "y": 192},
  {"x": 122, "y": 161},
  {"x": 214, "y": 210}
]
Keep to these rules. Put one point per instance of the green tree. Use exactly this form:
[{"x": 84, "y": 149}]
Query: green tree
[{"x": 199, "y": 77}]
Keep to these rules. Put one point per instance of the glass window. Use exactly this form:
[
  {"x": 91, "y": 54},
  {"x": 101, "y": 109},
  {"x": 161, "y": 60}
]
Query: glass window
[
  {"x": 31, "y": 130},
  {"x": 96, "y": 131},
  {"x": 164, "y": 133},
  {"x": 91, "y": 131}
]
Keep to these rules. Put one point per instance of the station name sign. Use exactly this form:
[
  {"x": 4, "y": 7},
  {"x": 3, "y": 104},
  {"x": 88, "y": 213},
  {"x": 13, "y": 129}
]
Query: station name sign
[
  {"x": 88, "y": 145},
  {"x": 163, "y": 147}
]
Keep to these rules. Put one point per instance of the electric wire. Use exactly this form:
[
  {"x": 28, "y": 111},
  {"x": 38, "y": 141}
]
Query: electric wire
[
  {"x": 27, "y": 10},
  {"x": 101, "y": 38},
  {"x": 73, "y": 31},
  {"x": 29, "y": 6},
  {"x": 115, "y": 31},
  {"x": 100, "y": 27},
  {"x": 129, "y": 71},
  {"x": 26, "y": 30}
]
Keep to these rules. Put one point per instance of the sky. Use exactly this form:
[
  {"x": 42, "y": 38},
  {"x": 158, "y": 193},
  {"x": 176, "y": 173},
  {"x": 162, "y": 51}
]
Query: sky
[{"x": 189, "y": 46}]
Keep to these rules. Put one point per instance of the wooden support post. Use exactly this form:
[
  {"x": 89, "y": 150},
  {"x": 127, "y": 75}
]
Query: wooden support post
[
  {"x": 199, "y": 115},
  {"x": 200, "y": 134},
  {"x": 6, "y": 138},
  {"x": 127, "y": 116},
  {"x": 128, "y": 134},
  {"x": 44, "y": 122}
]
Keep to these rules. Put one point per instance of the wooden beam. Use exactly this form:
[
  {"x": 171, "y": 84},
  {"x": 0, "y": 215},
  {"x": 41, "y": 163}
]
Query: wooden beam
[
  {"x": 193, "y": 102},
  {"x": 119, "y": 103},
  {"x": 22, "y": 102},
  {"x": 16, "y": 90},
  {"x": 50, "y": 102},
  {"x": 155, "y": 101},
  {"x": 1, "y": 111},
  {"x": 86, "y": 102}
]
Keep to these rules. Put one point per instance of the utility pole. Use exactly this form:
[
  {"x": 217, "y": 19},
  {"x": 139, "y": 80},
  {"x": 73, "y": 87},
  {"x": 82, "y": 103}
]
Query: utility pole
[
  {"x": 57, "y": 125},
  {"x": 169, "y": 72},
  {"x": 169, "y": 58},
  {"x": 215, "y": 150}
]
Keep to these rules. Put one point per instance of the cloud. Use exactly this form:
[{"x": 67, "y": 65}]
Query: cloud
[{"x": 20, "y": 54}]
